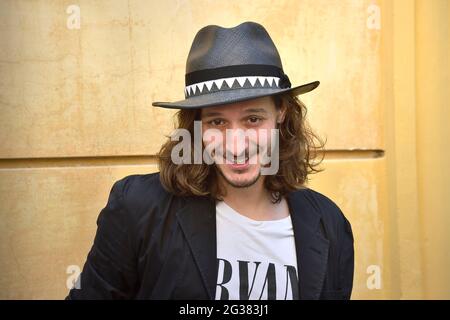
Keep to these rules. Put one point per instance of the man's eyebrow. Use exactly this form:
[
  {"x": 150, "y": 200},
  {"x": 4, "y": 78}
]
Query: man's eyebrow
[
  {"x": 207, "y": 114},
  {"x": 255, "y": 110},
  {"x": 211, "y": 114}
]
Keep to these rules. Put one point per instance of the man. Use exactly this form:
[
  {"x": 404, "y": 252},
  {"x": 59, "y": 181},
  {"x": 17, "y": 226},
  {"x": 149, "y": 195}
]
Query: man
[{"x": 230, "y": 219}]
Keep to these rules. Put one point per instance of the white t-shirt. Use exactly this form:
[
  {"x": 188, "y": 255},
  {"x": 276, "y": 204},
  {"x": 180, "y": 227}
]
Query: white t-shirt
[{"x": 256, "y": 259}]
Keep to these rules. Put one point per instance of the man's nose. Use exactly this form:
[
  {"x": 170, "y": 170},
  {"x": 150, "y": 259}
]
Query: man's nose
[{"x": 236, "y": 141}]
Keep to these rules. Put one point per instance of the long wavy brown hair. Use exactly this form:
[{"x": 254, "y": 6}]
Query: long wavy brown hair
[{"x": 299, "y": 147}]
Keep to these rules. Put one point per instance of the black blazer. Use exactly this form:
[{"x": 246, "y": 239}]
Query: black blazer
[{"x": 151, "y": 244}]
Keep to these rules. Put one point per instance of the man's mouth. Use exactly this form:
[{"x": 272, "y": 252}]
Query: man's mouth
[
  {"x": 238, "y": 163},
  {"x": 239, "y": 160}
]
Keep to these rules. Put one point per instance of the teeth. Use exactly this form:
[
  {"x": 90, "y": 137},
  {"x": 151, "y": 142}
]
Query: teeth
[{"x": 237, "y": 162}]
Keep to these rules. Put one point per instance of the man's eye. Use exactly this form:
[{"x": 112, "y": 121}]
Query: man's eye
[
  {"x": 254, "y": 120},
  {"x": 216, "y": 122}
]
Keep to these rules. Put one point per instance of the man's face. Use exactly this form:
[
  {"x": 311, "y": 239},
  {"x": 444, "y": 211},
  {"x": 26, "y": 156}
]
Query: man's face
[{"x": 245, "y": 127}]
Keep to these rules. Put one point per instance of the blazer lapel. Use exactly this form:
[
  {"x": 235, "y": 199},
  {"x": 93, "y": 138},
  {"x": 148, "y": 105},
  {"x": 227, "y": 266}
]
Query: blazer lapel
[
  {"x": 198, "y": 223},
  {"x": 311, "y": 246}
]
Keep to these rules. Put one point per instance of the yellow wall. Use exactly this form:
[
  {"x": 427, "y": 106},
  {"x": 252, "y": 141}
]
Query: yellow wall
[
  {"x": 76, "y": 115},
  {"x": 432, "y": 68}
]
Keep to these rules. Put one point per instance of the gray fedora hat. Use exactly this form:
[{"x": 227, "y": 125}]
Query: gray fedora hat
[{"x": 227, "y": 65}]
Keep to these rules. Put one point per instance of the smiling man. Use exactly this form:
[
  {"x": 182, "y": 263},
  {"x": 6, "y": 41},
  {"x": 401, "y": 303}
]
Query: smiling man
[{"x": 239, "y": 223}]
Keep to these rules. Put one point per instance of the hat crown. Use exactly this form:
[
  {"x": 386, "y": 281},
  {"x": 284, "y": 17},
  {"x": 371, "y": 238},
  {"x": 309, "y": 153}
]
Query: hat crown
[
  {"x": 227, "y": 65},
  {"x": 246, "y": 44}
]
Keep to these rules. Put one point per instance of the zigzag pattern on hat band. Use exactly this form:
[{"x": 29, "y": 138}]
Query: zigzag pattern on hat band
[{"x": 205, "y": 87}]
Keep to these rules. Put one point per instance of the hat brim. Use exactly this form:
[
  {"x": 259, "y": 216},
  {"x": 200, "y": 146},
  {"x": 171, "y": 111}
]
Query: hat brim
[{"x": 235, "y": 95}]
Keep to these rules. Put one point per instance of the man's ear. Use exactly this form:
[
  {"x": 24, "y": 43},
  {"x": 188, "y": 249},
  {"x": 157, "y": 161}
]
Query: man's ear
[{"x": 281, "y": 113}]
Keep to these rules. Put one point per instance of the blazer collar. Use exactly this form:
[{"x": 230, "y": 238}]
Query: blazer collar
[
  {"x": 311, "y": 247},
  {"x": 198, "y": 223}
]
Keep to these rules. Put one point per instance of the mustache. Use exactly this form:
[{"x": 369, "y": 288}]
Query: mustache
[
  {"x": 247, "y": 154},
  {"x": 250, "y": 151},
  {"x": 218, "y": 151}
]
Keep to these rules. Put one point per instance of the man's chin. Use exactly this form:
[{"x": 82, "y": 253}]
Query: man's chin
[{"x": 240, "y": 180}]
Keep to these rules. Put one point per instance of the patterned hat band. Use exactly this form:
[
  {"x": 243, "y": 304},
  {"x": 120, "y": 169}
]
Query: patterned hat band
[{"x": 235, "y": 77}]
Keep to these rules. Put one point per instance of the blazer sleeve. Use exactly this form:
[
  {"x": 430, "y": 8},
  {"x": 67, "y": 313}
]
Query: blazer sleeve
[
  {"x": 110, "y": 270},
  {"x": 346, "y": 259}
]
